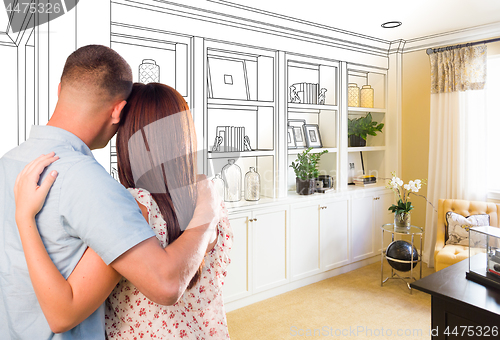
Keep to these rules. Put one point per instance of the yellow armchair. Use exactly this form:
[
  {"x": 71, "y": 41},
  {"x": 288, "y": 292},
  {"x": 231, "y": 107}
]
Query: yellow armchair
[{"x": 447, "y": 254}]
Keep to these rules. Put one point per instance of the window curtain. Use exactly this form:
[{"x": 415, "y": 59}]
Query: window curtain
[{"x": 457, "y": 136}]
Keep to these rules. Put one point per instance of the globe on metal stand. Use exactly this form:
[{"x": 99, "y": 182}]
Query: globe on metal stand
[{"x": 398, "y": 255}]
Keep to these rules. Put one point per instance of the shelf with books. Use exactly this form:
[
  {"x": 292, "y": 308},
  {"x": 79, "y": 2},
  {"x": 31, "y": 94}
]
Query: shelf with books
[{"x": 240, "y": 113}]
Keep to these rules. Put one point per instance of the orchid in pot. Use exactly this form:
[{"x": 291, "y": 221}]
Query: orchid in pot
[{"x": 402, "y": 209}]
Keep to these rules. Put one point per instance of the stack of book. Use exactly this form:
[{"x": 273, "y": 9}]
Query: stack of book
[
  {"x": 232, "y": 138},
  {"x": 307, "y": 92},
  {"x": 365, "y": 180}
]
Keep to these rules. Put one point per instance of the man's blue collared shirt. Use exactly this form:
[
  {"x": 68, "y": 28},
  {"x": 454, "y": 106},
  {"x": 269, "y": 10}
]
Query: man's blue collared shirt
[{"x": 85, "y": 207}]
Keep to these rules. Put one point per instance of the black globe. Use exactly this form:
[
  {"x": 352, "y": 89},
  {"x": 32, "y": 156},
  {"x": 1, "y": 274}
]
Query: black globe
[{"x": 401, "y": 250}]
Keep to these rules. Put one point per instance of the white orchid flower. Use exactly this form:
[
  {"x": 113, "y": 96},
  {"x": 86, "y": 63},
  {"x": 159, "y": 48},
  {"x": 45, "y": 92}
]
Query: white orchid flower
[{"x": 407, "y": 187}]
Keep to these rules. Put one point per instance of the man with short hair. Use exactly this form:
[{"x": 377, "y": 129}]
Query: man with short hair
[{"x": 87, "y": 207}]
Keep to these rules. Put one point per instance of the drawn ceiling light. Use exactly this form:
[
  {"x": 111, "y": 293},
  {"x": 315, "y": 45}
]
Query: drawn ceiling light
[
  {"x": 391, "y": 24},
  {"x": 149, "y": 72}
]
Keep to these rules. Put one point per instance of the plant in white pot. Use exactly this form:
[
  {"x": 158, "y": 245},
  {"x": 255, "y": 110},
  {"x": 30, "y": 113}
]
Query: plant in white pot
[{"x": 306, "y": 171}]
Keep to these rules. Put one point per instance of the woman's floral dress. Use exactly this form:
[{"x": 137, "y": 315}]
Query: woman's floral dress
[{"x": 199, "y": 314}]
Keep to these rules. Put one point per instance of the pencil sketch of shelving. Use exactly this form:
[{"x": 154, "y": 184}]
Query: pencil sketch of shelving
[{"x": 239, "y": 68}]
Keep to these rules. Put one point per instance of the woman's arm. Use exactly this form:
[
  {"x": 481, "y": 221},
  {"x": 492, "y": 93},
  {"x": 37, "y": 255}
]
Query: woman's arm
[{"x": 65, "y": 303}]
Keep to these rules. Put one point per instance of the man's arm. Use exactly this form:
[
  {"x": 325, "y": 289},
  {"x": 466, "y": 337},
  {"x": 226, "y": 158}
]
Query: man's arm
[{"x": 162, "y": 275}]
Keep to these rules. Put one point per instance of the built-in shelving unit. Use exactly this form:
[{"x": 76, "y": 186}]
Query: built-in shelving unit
[
  {"x": 241, "y": 106},
  {"x": 312, "y": 86},
  {"x": 372, "y": 157}
]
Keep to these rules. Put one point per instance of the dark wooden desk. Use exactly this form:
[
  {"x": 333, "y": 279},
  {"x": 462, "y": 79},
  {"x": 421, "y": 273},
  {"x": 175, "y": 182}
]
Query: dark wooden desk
[{"x": 473, "y": 310}]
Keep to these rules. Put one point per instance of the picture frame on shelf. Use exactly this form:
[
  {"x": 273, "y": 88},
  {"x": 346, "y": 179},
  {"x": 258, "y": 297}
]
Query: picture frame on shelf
[
  {"x": 298, "y": 132},
  {"x": 312, "y": 136},
  {"x": 227, "y": 79},
  {"x": 291, "y": 138}
]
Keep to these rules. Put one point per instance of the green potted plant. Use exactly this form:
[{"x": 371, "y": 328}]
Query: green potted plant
[
  {"x": 359, "y": 128},
  {"x": 306, "y": 171}
]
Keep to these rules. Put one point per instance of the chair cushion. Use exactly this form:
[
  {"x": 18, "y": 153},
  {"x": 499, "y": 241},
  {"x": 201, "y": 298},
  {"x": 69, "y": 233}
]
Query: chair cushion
[
  {"x": 452, "y": 254},
  {"x": 458, "y": 225}
]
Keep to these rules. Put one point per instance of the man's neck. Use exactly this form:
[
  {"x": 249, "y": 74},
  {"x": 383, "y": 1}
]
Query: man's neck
[{"x": 80, "y": 129}]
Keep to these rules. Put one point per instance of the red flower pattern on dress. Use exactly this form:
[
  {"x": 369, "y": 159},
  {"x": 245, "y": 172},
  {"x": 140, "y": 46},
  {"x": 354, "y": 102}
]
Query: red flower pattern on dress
[{"x": 198, "y": 315}]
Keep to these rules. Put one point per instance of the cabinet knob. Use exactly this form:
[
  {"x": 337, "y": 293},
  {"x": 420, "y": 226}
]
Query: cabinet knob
[
  {"x": 252, "y": 219},
  {"x": 376, "y": 198},
  {"x": 255, "y": 219},
  {"x": 323, "y": 207}
]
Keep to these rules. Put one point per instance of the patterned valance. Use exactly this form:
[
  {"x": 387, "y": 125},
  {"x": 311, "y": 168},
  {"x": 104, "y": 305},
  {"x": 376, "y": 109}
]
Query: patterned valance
[{"x": 459, "y": 69}]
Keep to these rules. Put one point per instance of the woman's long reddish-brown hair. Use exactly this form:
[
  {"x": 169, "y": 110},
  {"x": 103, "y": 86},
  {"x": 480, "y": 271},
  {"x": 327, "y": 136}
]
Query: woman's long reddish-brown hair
[{"x": 156, "y": 147}]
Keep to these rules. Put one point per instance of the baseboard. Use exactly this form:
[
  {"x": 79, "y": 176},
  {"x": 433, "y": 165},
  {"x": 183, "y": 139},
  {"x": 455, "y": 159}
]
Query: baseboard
[{"x": 233, "y": 305}]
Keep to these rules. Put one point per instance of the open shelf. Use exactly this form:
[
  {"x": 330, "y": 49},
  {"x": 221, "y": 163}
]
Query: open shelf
[
  {"x": 311, "y": 107},
  {"x": 314, "y": 150},
  {"x": 375, "y": 79},
  {"x": 365, "y": 148},
  {"x": 236, "y": 102},
  {"x": 253, "y": 153}
]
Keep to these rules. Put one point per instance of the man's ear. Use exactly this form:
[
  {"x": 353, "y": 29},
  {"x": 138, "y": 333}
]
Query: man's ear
[
  {"x": 117, "y": 110},
  {"x": 58, "y": 89}
]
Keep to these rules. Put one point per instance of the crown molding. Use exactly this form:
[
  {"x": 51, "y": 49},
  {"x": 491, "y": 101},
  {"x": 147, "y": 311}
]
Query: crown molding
[{"x": 454, "y": 37}]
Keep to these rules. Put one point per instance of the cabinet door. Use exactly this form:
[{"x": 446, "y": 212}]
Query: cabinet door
[
  {"x": 304, "y": 240},
  {"x": 269, "y": 234},
  {"x": 334, "y": 231},
  {"x": 236, "y": 284},
  {"x": 382, "y": 202},
  {"x": 362, "y": 226}
]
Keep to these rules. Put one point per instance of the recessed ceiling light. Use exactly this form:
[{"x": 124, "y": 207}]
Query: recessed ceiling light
[{"x": 391, "y": 24}]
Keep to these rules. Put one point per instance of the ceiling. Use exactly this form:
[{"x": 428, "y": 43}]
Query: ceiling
[{"x": 420, "y": 18}]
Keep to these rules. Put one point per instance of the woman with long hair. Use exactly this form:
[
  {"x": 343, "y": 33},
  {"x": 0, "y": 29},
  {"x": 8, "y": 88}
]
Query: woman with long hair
[{"x": 156, "y": 148}]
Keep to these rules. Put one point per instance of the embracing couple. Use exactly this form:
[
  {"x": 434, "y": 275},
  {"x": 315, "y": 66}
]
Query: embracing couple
[{"x": 86, "y": 257}]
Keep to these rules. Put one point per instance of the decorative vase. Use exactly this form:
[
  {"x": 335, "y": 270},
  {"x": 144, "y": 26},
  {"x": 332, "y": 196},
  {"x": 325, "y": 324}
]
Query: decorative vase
[
  {"x": 219, "y": 185},
  {"x": 252, "y": 185},
  {"x": 353, "y": 95},
  {"x": 305, "y": 187},
  {"x": 231, "y": 174},
  {"x": 356, "y": 141},
  {"x": 366, "y": 96},
  {"x": 149, "y": 72},
  {"x": 402, "y": 220}
]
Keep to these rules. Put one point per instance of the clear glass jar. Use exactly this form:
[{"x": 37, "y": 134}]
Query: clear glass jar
[
  {"x": 252, "y": 185},
  {"x": 231, "y": 174},
  {"x": 219, "y": 185}
]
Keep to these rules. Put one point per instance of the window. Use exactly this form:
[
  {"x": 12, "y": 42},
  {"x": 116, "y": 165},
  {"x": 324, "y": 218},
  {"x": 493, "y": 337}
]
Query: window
[{"x": 493, "y": 123}]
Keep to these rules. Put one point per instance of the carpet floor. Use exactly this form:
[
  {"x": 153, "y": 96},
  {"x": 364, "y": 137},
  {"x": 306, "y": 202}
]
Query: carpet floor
[{"x": 348, "y": 306}]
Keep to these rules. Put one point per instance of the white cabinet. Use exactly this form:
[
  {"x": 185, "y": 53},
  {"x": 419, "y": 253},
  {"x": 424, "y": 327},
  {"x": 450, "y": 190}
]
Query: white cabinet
[
  {"x": 269, "y": 239},
  {"x": 304, "y": 240},
  {"x": 334, "y": 234},
  {"x": 318, "y": 237},
  {"x": 238, "y": 279},
  {"x": 368, "y": 213},
  {"x": 259, "y": 253}
]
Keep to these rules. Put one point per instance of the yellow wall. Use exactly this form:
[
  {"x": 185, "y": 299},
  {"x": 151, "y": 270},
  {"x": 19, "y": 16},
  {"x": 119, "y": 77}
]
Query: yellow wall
[
  {"x": 415, "y": 122},
  {"x": 415, "y": 125}
]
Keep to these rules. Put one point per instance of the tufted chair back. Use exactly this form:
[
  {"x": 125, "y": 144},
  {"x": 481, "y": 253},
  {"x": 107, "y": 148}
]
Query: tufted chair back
[{"x": 464, "y": 208}]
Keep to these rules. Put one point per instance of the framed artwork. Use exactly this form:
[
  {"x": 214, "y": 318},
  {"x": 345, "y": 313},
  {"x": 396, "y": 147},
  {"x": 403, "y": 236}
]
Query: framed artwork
[
  {"x": 291, "y": 138},
  {"x": 227, "y": 79},
  {"x": 312, "y": 136},
  {"x": 298, "y": 132}
]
